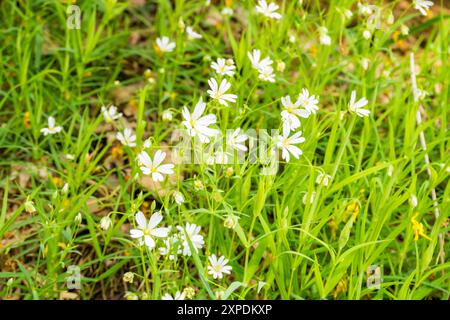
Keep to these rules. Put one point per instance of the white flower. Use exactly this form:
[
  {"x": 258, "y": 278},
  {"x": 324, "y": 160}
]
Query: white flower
[
  {"x": 178, "y": 197},
  {"x": 78, "y": 218},
  {"x": 324, "y": 37},
  {"x": 255, "y": 57},
  {"x": 358, "y": 106},
  {"x": 308, "y": 102},
  {"x": 65, "y": 188},
  {"x": 219, "y": 91},
  {"x": 146, "y": 231},
  {"x": 127, "y": 138},
  {"x": 421, "y": 94},
  {"x": 192, "y": 35},
  {"x": 404, "y": 29},
  {"x": 147, "y": 143},
  {"x": 171, "y": 247},
  {"x": 51, "y": 127},
  {"x": 105, "y": 223},
  {"x": 230, "y": 221},
  {"x": 164, "y": 44},
  {"x": 268, "y": 10},
  {"x": 364, "y": 9},
  {"x": 367, "y": 34},
  {"x": 198, "y": 125},
  {"x": 154, "y": 168},
  {"x": 323, "y": 179},
  {"x": 291, "y": 112},
  {"x": 280, "y": 66},
  {"x": 347, "y": 13},
  {"x": 178, "y": 296},
  {"x": 236, "y": 140},
  {"x": 365, "y": 63},
  {"x": 413, "y": 200},
  {"x": 423, "y": 6},
  {"x": 29, "y": 206},
  {"x": 287, "y": 145},
  {"x": 266, "y": 74},
  {"x": 227, "y": 11},
  {"x": 110, "y": 114},
  {"x": 128, "y": 277},
  {"x": 167, "y": 115},
  {"x": 220, "y": 157},
  {"x": 307, "y": 197},
  {"x": 218, "y": 267},
  {"x": 223, "y": 67},
  {"x": 191, "y": 232}
]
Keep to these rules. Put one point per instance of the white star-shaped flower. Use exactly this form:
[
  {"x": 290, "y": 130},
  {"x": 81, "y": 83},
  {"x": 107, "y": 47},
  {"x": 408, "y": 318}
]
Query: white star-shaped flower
[
  {"x": 154, "y": 168},
  {"x": 291, "y": 112},
  {"x": 146, "y": 231},
  {"x": 164, "y": 44},
  {"x": 218, "y": 267},
  {"x": 127, "y": 138},
  {"x": 110, "y": 114},
  {"x": 287, "y": 145},
  {"x": 223, "y": 67},
  {"x": 198, "y": 125},
  {"x": 269, "y": 10},
  {"x": 309, "y": 102},
  {"x": 423, "y": 6},
  {"x": 255, "y": 59},
  {"x": 192, "y": 35},
  {"x": 358, "y": 106},
  {"x": 218, "y": 92}
]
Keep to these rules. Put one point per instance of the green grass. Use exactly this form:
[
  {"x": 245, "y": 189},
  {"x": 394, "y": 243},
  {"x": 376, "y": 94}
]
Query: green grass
[{"x": 282, "y": 247}]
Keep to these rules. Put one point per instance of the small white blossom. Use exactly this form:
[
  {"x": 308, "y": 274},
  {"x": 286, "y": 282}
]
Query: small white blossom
[
  {"x": 105, "y": 223},
  {"x": 291, "y": 112},
  {"x": 164, "y": 44},
  {"x": 224, "y": 67},
  {"x": 218, "y": 92},
  {"x": 52, "y": 129},
  {"x": 192, "y": 35},
  {"x": 269, "y": 10},
  {"x": 167, "y": 115},
  {"x": 230, "y": 221},
  {"x": 29, "y": 206},
  {"x": 178, "y": 296},
  {"x": 127, "y": 138},
  {"x": 307, "y": 197},
  {"x": 218, "y": 267},
  {"x": 287, "y": 145},
  {"x": 423, "y": 6},
  {"x": 266, "y": 74},
  {"x": 367, "y": 34},
  {"x": 236, "y": 140},
  {"x": 191, "y": 232},
  {"x": 358, "y": 106},
  {"x": 154, "y": 168},
  {"x": 307, "y": 101},
  {"x": 110, "y": 114},
  {"x": 198, "y": 125},
  {"x": 323, "y": 179},
  {"x": 227, "y": 11},
  {"x": 255, "y": 59},
  {"x": 146, "y": 231},
  {"x": 413, "y": 200},
  {"x": 325, "y": 39},
  {"x": 178, "y": 197}
]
